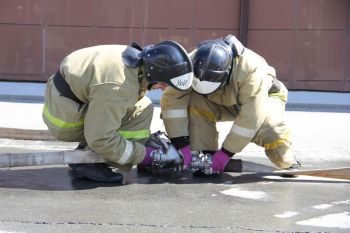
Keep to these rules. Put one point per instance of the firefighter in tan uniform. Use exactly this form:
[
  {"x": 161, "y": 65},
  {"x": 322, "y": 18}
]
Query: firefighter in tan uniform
[
  {"x": 231, "y": 83},
  {"x": 97, "y": 97}
]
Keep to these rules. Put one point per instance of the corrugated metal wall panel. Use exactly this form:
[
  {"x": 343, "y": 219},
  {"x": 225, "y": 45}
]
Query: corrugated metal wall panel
[{"x": 307, "y": 41}]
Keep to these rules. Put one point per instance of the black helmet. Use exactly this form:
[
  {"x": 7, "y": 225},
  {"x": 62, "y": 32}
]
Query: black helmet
[
  {"x": 168, "y": 62},
  {"x": 212, "y": 64}
]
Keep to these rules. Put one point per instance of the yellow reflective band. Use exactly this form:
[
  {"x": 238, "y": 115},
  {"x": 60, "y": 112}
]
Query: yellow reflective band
[
  {"x": 138, "y": 134},
  {"x": 60, "y": 123},
  {"x": 277, "y": 143},
  {"x": 200, "y": 112},
  {"x": 280, "y": 95}
]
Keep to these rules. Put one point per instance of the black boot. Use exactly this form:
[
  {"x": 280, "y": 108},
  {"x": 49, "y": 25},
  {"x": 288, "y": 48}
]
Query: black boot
[{"x": 95, "y": 171}]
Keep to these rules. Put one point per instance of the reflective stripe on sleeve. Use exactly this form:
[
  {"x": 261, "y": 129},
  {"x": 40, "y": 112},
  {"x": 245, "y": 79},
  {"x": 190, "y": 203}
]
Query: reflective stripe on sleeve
[
  {"x": 243, "y": 131},
  {"x": 280, "y": 95},
  {"x": 137, "y": 134},
  {"x": 129, "y": 148},
  {"x": 175, "y": 113},
  {"x": 60, "y": 123}
]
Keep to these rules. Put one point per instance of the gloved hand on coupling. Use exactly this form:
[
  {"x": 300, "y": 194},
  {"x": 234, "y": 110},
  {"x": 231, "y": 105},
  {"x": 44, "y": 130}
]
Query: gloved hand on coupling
[
  {"x": 182, "y": 144},
  {"x": 186, "y": 156},
  {"x": 147, "y": 161},
  {"x": 219, "y": 161}
]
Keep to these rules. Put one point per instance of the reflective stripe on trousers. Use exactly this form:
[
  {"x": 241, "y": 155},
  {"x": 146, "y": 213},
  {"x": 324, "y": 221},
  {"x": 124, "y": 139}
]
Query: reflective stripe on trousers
[{"x": 61, "y": 123}]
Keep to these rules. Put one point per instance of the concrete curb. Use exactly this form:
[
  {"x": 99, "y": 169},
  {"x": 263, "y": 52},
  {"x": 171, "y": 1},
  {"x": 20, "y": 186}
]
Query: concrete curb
[{"x": 26, "y": 134}]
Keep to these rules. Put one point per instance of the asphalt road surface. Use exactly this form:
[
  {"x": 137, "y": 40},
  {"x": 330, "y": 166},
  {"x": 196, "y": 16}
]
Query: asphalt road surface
[{"x": 46, "y": 199}]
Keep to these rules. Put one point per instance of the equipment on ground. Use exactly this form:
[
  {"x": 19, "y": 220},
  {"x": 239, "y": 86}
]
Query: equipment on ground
[
  {"x": 165, "y": 157},
  {"x": 168, "y": 157},
  {"x": 336, "y": 173},
  {"x": 202, "y": 163}
]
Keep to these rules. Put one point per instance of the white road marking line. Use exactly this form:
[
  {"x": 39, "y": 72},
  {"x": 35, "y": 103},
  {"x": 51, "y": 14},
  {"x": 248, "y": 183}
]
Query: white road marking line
[
  {"x": 341, "y": 202},
  {"x": 325, "y": 206},
  {"x": 286, "y": 214},
  {"x": 339, "y": 220},
  {"x": 322, "y": 206},
  {"x": 244, "y": 193},
  {"x": 267, "y": 182}
]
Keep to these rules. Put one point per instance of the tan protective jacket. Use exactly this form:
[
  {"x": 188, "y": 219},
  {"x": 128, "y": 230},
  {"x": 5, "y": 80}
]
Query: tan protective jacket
[
  {"x": 98, "y": 77},
  {"x": 247, "y": 91}
]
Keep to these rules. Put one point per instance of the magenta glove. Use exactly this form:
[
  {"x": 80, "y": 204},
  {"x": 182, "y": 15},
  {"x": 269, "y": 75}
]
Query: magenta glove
[
  {"x": 187, "y": 156},
  {"x": 147, "y": 159},
  {"x": 220, "y": 159}
]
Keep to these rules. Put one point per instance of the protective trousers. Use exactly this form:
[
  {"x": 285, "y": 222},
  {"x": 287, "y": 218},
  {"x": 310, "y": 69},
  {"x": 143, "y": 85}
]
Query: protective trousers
[
  {"x": 273, "y": 134},
  {"x": 65, "y": 117}
]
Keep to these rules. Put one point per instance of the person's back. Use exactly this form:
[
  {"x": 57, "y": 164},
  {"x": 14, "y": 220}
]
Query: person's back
[{"x": 86, "y": 69}]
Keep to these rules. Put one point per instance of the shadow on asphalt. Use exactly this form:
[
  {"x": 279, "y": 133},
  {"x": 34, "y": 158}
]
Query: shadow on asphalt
[{"x": 57, "y": 179}]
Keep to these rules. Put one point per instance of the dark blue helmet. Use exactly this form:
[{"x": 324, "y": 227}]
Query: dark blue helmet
[
  {"x": 212, "y": 65},
  {"x": 168, "y": 62}
]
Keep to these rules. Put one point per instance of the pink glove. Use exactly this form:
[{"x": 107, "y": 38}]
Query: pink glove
[
  {"x": 220, "y": 160},
  {"x": 187, "y": 156},
  {"x": 147, "y": 159}
]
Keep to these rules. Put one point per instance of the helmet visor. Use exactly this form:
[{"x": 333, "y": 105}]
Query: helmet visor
[
  {"x": 204, "y": 87},
  {"x": 182, "y": 82}
]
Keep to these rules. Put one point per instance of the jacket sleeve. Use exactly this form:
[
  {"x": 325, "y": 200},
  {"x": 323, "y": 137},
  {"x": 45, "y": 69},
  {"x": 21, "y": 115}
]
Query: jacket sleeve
[
  {"x": 174, "y": 106},
  {"x": 107, "y": 107},
  {"x": 252, "y": 97}
]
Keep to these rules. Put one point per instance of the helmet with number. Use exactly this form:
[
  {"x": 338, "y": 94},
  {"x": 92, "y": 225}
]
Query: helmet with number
[
  {"x": 212, "y": 63},
  {"x": 168, "y": 62}
]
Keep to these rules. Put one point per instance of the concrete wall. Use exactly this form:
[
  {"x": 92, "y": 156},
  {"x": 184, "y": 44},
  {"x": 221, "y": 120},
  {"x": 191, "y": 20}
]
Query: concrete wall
[{"x": 308, "y": 41}]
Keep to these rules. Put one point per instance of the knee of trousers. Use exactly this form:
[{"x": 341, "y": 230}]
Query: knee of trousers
[{"x": 282, "y": 156}]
